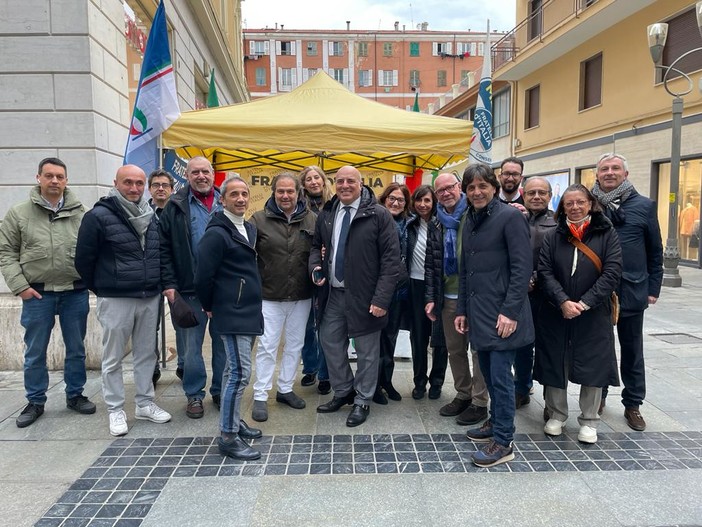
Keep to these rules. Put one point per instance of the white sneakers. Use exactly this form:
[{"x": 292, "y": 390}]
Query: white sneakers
[
  {"x": 587, "y": 434},
  {"x": 118, "y": 423},
  {"x": 151, "y": 412},
  {"x": 554, "y": 427}
]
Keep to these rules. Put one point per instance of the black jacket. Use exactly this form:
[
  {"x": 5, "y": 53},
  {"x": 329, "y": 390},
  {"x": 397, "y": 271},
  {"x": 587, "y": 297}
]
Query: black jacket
[
  {"x": 227, "y": 280},
  {"x": 639, "y": 234},
  {"x": 284, "y": 250},
  {"x": 177, "y": 259},
  {"x": 434, "y": 266},
  {"x": 371, "y": 262},
  {"x": 109, "y": 256},
  {"x": 495, "y": 268},
  {"x": 580, "y": 350},
  {"x": 433, "y": 234}
]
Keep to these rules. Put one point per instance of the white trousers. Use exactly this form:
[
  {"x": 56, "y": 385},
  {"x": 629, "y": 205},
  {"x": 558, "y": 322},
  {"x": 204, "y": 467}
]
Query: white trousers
[{"x": 290, "y": 317}]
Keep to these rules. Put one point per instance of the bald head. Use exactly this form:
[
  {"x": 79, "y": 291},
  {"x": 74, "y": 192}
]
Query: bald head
[
  {"x": 448, "y": 191},
  {"x": 130, "y": 181},
  {"x": 537, "y": 194},
  {"x": 348, "y": 184}
]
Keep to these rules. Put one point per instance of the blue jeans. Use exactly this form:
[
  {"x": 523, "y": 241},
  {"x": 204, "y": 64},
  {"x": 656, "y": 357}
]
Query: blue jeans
[
  {"x": 191, "y": 339},
  {"x": 312, "y": 357},
  {"x": 497, "y": 371},
  {"x": 523, "y": 366},
  {"x": 38, "y": 319},
  {"x": 236, "y": 379}
]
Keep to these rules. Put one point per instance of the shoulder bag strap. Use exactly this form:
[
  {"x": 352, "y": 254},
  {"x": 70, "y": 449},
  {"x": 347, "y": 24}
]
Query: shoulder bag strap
[{"x": 587, "y": 252}]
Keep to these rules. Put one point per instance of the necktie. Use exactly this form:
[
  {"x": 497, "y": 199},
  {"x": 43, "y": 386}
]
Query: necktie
[{"x": 341, "y": 245}]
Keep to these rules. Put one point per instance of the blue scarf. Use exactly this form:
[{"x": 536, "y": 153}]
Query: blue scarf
[{"x": 450, "y": 223}]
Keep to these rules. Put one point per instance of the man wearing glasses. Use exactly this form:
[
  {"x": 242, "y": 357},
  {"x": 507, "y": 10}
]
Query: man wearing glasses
[
  {"x": 441, "y": 295},
  {"x": 510, "y": 177},
  {"x": 37, "y": 245},
  {"x": 160, "y": 188},
  {"x": 537, "y": 195}
]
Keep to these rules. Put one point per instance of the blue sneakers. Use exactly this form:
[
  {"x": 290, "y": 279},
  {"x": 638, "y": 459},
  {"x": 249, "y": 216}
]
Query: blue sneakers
[
  {"x": 482, "y": 434},
  {"x": 493, "y": 454}
]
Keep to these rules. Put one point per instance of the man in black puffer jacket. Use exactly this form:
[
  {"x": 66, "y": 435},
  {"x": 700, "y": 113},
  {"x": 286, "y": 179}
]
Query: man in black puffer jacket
[{"x": 117, "y": 256}]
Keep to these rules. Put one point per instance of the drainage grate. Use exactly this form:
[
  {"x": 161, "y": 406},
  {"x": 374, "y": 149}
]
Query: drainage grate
[{"x": 677, "y": 338}]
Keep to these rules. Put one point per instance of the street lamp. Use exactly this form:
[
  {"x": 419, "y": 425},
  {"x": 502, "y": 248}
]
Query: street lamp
[{"x": 657, "y": 34}]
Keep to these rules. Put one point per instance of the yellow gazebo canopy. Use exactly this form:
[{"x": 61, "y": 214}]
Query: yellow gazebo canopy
[{"x": 319, "y": 123}]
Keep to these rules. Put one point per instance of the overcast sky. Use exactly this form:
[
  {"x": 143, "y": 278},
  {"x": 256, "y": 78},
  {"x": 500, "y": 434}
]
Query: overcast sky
[{"x": 460, "y": 15}]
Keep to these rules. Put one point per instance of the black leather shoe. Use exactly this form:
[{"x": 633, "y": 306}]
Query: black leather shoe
[
  {"x": 217, "y": 401},
  {"x": 246, "y": 432},
  {"x": 521, "y": 400},
  {"x": 418, "y": 393},
  {"x": 379, "y": 397},
  {"x": 324, "y": 387},
  {"x": 336, "y": 404},
  {"x": 358, "y": 415},
  {"x": 179, "y": 373},
  {"x": 238, "y": 449},
  {"x": 393, "y": 394},
  {"x": 31, "y": 413},
  {"x": 308, "y": 379},
  {"x": 434, "y": 392},
  {"x": 80, "y": 404},
  {"x": 472, "y": 415}
]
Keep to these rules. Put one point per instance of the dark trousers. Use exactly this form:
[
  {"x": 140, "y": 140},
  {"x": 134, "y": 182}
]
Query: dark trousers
[
  {"x": 633, "y": 372},
  {"x": 419, "y": 339},
  {"x": 497, "y": 371},
  {"x": 388, "y": 339}
]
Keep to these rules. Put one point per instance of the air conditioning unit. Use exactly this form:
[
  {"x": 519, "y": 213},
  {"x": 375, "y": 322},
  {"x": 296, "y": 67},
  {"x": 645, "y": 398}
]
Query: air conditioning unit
[{"x": 252, "y": 57}]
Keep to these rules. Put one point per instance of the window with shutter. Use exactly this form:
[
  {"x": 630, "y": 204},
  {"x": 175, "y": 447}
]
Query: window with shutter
[
  {"x": 532, "y": 102},
  {"x": 591, "y": 82},
  {"x": 683, "y": 35},
  {"x": 414, "y": 49}
]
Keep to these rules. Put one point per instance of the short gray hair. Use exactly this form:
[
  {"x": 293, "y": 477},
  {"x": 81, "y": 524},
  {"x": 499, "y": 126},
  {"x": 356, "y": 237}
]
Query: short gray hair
[{"x": 610, "y": 155}]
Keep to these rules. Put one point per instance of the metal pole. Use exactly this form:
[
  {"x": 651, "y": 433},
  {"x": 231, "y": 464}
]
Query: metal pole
[{"x": 671, "y": 254}]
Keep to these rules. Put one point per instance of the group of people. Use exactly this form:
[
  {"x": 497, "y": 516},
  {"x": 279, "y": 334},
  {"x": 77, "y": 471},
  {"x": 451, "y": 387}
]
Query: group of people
[{"x": 476, "y": 268}]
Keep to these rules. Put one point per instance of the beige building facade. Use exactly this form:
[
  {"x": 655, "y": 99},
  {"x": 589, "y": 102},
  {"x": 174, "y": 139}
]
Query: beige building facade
[
  {"x": 68, "y": 78},
  {"x": 579, "y": 81}
]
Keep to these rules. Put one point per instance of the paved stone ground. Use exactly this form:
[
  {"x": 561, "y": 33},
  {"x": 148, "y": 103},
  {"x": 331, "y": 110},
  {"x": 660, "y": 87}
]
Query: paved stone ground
[{"x": 405, "y": 466}]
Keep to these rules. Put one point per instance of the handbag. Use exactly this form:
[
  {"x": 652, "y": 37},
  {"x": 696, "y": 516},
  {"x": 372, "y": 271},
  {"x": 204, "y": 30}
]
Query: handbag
[{"x": 614, "y": 298}]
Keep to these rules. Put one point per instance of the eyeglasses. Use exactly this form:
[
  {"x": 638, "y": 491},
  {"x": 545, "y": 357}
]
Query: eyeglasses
[
  {"x": 578, "y": 203},
  {"x": 514, "y": 175},
  {"x": 446, "y": 189},
  {"x": 160, "y": 185},
  {"x": 399, "y": 201},
  {"x": 531, "y": 193}
]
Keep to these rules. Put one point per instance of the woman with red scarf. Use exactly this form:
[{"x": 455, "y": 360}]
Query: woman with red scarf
[{"x": 579, "y": 267}]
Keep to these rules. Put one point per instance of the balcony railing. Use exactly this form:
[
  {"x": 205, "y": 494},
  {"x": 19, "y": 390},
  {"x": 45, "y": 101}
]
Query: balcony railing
[{"x": 546, "y": 16}]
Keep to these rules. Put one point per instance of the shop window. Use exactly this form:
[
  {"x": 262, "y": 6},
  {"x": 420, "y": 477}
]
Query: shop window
[{"x": 689, "y": 188}]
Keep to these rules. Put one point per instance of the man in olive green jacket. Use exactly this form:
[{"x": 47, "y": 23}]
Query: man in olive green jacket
[{"x": 37, "y": 250}]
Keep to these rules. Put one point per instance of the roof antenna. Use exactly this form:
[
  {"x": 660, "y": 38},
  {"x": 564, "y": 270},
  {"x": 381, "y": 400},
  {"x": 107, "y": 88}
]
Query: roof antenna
[{"x": 411, "y": 16}]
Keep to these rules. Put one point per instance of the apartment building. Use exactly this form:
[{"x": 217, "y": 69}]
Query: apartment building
[
  {"x": 575, "y": 79},
  {"x": 389, "y": 66}
]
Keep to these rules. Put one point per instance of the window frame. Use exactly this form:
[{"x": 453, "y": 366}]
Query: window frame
[
  {"x": 532, "y": 116},
  {"x": 591, "y": 82}
]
